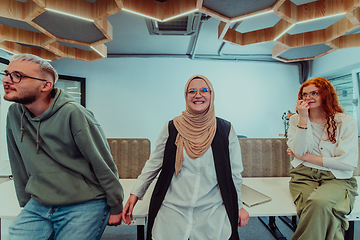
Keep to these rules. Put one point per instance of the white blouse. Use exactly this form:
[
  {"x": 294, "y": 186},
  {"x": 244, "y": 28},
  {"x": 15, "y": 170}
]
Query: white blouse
[
  {"x": 192, "y": 207},
  {"x": 340, "y": 158}
]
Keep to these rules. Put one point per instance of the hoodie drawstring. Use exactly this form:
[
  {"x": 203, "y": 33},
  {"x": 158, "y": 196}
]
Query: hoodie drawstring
[
  {"x": 22, "y": 129},
  {"x": 22, "y": 126},
  {"x": 37, "y": 138}
]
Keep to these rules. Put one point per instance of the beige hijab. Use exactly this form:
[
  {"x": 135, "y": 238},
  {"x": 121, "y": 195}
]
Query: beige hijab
[{"x": 196, "y": 131}]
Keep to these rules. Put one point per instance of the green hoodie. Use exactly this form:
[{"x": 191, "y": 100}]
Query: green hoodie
[{"x": 62, "y": 156}]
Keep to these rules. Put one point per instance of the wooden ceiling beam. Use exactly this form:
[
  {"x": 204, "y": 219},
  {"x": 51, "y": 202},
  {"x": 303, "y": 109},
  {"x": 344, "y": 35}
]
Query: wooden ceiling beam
[
  {"x": 73, "y": 53},
  {"x": 17, "y": 48},
  {"x": 175, "y": 8},
  {"x": 354, "y": 16},
  {"x": 347, "y": 41},
  {"x": 101, "y": 50},
  {"x": 17, "y": 10},
  {"x": 105, "y": 8},
  {"x": 306, "y": 39},
  {"x": 244, "y": 16},
  {"x": 147, "y": 7},
  {"x": 279, "y": 49},
  {"x": 233, "y": 36},
  {"x": 24, "y": 36},
  {"x": 337, "y": 29},
  {"x": 351, "y": 4},
  {"x": 287, "y": 11},
  {"x": 279, "y": 28},
  {"x": 320, "y": 8},
  {"x": 278, "y": 4},
  {"x": 258, "y": 36},
  {"x": 106, "y": 28},
  {"x": 77, "y": 8},
  {"x": 214, "y": 14},
  {"x": 222, "y": 29},
  {"x": 199, "y": 4}
]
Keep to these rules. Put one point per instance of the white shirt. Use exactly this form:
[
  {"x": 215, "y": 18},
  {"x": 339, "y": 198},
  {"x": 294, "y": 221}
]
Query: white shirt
[
  {"x": 340, "y": 158},
  {"x": 192, "y": 207}
]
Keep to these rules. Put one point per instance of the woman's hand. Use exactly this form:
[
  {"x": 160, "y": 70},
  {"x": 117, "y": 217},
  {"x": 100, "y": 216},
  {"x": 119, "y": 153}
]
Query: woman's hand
[
  {"x": 128, "y": 209},
  {"x": 289, "y": 152},
  {"x": 302, "y": 107},
  {"x": 311, "y": 158},
  {"x": 243, "y": 217}
]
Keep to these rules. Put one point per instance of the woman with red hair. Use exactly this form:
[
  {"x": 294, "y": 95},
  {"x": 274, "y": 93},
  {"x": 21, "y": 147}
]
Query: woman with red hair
[{"x": 324, "y": 143}]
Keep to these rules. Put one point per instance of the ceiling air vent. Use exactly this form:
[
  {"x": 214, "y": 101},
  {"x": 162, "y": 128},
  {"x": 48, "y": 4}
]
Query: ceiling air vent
[{"x": 186, "y": 25}]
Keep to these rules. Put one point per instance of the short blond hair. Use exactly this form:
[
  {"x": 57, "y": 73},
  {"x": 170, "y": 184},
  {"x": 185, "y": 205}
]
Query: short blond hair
[{"x": 44, "y": 65}]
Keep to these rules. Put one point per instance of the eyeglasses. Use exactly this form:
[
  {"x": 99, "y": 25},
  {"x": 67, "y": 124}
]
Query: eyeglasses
[
  {"x": 311, "y": 95},
  {"x": 203, "y": 92},
  {"x": 16, "y": 76}
]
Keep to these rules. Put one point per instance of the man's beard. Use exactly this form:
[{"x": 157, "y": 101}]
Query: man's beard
[{"x": 27, "y": 98}]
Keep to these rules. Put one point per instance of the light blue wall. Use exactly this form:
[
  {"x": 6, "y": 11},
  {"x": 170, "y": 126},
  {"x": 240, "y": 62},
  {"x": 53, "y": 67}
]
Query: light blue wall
[
  {"x": 134, "y": 98},
  {"x": 337, "y": 62}
]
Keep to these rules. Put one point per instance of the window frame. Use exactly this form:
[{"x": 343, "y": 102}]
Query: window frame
[
  {"x": 82, "y": 86},
  {"x": 355, "y": 75},
  {"x": 356, "y": 83}
]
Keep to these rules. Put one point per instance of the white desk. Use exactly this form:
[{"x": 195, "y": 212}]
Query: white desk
[
  {"x": 140, "y": 211},
  {"x": 9, "y": 205},
  {"x": 282, "y": 204},
  {"x": 277, "y": 188}
]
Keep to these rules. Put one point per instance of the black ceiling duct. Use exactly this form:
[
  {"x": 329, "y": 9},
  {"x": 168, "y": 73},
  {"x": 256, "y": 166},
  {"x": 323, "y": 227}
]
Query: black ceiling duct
[{"x": 161, "y": 0}]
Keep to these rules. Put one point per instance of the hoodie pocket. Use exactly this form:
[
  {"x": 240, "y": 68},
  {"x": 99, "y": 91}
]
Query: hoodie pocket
[{"x": 59, "y": 188}]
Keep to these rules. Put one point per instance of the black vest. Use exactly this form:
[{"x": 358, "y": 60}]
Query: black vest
[{"x": 220, "y": 148}]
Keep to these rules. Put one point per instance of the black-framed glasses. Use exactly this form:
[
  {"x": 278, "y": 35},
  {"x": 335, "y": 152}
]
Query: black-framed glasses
[
  {"x": 311, "y": 95},
  {"x": 16, "y": 76},
  {"x": 203, "y": 92}
]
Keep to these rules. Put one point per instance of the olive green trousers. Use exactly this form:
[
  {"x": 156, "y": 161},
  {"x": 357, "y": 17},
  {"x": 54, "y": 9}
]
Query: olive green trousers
[{"x": 322, "y": 201}]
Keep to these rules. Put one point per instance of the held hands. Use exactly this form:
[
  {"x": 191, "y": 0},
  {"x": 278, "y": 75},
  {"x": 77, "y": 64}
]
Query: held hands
[
  {"x": 115, "y": 219},
  {"x": 243, "y": 217},
  {"x": 128, "y": 209}
]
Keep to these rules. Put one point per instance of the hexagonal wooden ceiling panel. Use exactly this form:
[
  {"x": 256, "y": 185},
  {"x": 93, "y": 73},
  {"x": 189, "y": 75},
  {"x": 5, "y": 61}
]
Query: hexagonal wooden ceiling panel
[
  {"x": 301, "y": 29},
  {"x": 295, "y": 32},
  {"x": 52, "y": 29}
]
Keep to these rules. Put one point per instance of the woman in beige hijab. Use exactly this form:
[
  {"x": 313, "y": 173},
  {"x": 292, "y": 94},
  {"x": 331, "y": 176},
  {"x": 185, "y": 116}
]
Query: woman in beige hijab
[{"x": 197, "y": 194}]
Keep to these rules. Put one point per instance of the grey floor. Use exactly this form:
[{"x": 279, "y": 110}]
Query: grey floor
[{"x": 255, "y": 230}]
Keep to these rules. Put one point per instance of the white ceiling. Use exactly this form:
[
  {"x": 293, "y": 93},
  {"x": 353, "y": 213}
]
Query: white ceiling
[{"x": 131, "y": 36}]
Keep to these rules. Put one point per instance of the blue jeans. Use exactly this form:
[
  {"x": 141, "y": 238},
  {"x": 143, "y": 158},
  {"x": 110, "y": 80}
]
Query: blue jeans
[{"x": 79, "y": 221}]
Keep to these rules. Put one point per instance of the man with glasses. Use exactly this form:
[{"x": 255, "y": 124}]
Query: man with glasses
[{"x": 64, "y": 174}]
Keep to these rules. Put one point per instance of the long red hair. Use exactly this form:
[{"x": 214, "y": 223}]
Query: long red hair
[{"x": 329, "y": 103}]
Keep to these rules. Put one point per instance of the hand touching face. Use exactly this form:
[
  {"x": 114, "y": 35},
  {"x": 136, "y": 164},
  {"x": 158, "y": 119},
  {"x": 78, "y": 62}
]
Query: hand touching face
[
  {"x": 302, "y": 107},
  {"x": 310, "y": 99}
]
